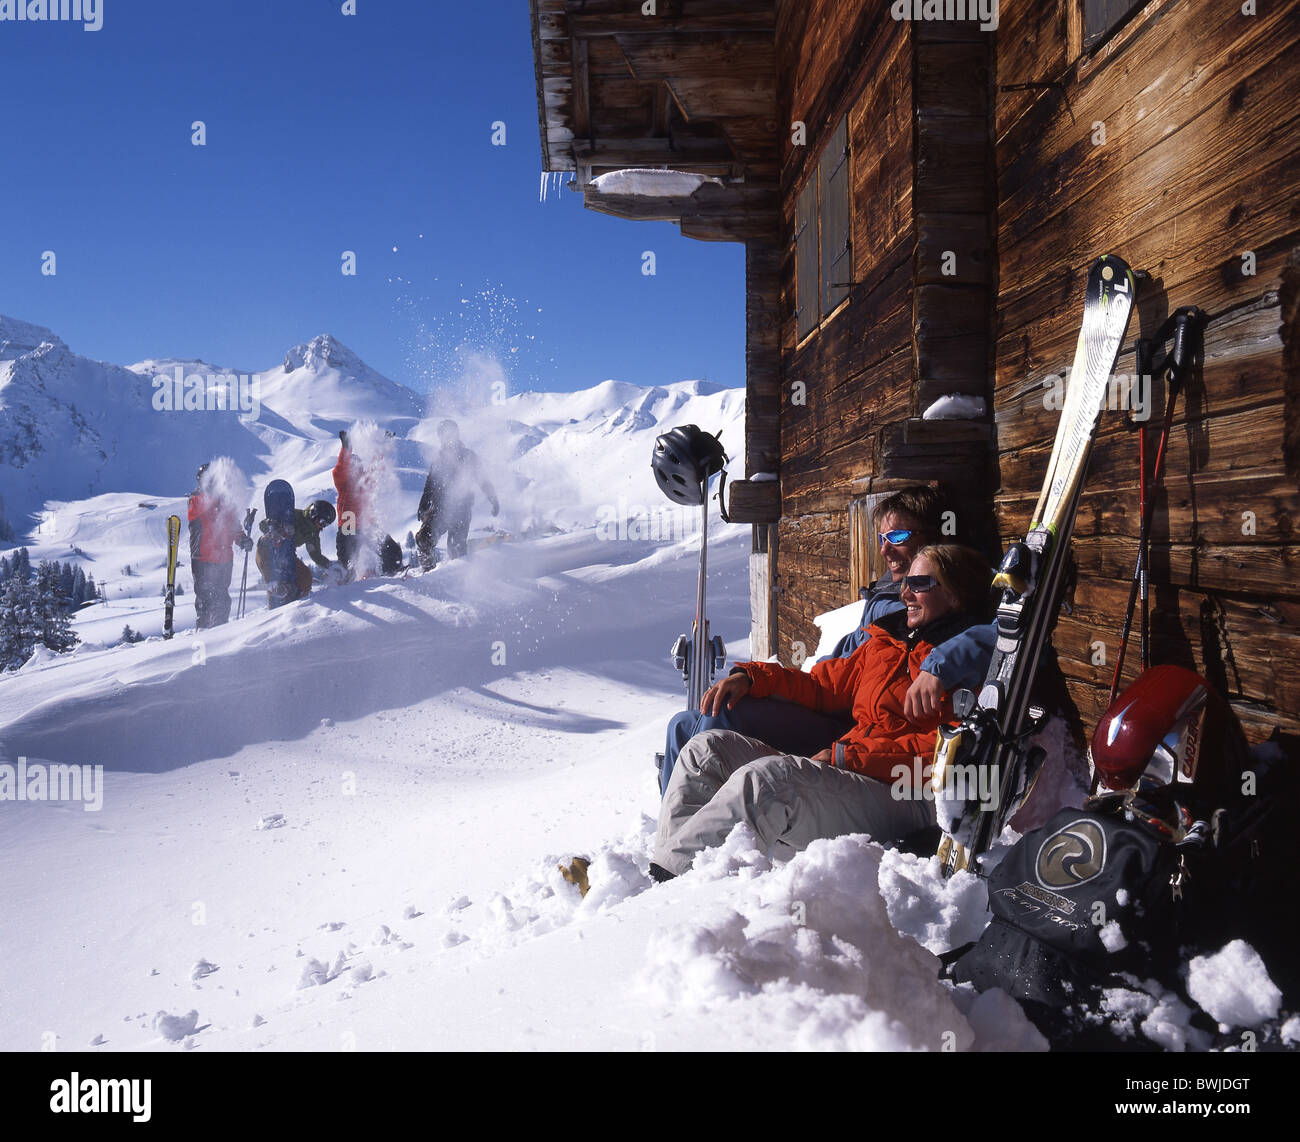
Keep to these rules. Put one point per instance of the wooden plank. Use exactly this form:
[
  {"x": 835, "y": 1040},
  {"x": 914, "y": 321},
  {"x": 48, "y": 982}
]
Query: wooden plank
[
  {"x": 581, "y": 90},
  {"x": 748, "y": 55},
  {"x": 953, "y": 79},
  {"x": 622, "y": 17},
  {"x": 750, "y": 502},
  {"x": 1217, "y": 93},
  {"x": 952, "y": 163},
  {"x": 738, "y": 97},
  {"x": 966, "y": 237}
]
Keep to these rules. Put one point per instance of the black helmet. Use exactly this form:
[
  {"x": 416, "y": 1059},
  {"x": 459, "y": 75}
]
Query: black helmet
[
  {"x": 321, "y": 513},
  {"x": 683, "y": 460},
  {"x": 202, "y": 468}
]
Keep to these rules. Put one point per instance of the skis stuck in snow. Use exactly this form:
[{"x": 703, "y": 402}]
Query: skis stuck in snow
[
  {"x": 173, "y": 542},
  {"x": 991, "y": 739}
]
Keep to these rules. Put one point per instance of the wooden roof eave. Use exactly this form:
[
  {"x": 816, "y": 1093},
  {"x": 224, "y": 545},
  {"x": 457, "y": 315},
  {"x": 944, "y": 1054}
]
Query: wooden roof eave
[{"x": 712, "y": 61}]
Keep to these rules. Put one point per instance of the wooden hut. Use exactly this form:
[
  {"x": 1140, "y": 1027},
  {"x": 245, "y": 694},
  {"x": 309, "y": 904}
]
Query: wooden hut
[{"x": 920, "y": 195}]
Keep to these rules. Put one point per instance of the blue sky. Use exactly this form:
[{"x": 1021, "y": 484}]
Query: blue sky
[{"x": 327, "y": 133}]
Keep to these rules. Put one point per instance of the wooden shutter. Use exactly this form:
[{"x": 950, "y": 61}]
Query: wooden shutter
[
  {"x": 836, "y": 244},
  {"x": 807, "y": 307}
]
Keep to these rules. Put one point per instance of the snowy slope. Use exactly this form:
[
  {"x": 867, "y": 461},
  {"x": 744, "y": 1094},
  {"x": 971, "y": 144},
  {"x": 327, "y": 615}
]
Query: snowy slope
[{"x": 415, "y": 798}]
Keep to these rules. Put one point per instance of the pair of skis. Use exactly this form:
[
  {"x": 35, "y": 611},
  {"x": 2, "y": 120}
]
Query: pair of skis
[{"x": 992, "y": 737}]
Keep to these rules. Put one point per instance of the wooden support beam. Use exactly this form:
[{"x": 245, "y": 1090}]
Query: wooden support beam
[
  {"x": 751, "y": 502},
  {"x": 581, "y": 90}
]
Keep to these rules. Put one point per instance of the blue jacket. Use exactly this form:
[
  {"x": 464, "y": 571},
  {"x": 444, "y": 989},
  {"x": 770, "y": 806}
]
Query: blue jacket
[{"x": 962, "y": 661}]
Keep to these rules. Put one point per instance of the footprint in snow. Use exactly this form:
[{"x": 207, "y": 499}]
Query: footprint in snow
[
  {"x": 174, "y": 1028},
  {"x": 271, "y": 821},
  {"x": 202, "y": 968}
]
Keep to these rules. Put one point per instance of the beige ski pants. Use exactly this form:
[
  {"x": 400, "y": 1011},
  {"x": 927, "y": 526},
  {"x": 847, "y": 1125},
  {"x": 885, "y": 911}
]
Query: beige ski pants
[{"x": 722, "y": 778}]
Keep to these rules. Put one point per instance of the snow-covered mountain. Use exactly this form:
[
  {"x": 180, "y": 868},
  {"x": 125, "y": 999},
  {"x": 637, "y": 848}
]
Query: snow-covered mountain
[{"x": 72, "y": 428}]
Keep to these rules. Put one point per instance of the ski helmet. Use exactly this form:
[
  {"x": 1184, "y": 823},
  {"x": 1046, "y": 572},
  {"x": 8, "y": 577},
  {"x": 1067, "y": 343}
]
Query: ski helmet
[
  {"x": 321, "y": 513},
  {"x": 1170, "y": 728},
  {"x": 684, "y": 459},
  {"x": 202, "y": 468}
]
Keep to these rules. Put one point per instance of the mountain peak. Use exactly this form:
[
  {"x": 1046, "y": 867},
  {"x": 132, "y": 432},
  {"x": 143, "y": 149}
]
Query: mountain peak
[
  {"x": 18, "y": 338},
  {"x": 323, "y": 352}
]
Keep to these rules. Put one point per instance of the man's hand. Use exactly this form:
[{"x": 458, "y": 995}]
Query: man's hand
[
  {"x": 822, "y": 756},
  {"x": 245, "y": 543},
  {"x": 924, "y": 698},
  {"x": 725, "y": 694}
]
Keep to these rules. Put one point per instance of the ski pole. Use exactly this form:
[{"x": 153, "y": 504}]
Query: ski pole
[
  {"x": 1184, "y": 326},
  {"x": 243, "y": 583}
]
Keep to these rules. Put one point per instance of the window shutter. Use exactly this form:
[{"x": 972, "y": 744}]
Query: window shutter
[
  {"x": 807, "y": 306},
  {"x": 836, "y": 250}
]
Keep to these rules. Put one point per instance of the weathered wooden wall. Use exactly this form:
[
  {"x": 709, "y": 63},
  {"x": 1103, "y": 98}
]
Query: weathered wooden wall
[
  {"x": 1198, "y": 167},
  {"x": 835, "y": 58},
  {"x": 917, "y": 101}
]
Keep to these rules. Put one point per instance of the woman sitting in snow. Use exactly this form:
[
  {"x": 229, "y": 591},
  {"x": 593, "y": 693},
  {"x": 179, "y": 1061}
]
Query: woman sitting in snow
[{"x": 863, "y": 783}]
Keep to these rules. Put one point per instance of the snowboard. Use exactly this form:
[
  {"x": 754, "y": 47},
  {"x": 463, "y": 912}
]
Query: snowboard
[{"x": 281, "y": 563}]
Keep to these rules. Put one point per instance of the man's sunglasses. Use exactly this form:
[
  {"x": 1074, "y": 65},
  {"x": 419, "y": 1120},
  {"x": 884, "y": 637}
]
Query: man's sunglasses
[
  {"x": 898, "y": 535},
  {"x": 919, "y": 584}
]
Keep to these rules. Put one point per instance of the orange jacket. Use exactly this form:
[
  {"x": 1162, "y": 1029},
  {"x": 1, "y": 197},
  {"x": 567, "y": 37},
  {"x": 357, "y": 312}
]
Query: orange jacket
[
  {"x": 347, "y": 479},
  {"x": 871, "y": 683},
  {"x": 214, "y": 527}
]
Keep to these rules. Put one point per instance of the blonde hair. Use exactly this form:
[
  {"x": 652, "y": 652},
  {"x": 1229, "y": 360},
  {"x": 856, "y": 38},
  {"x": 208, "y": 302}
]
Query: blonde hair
[{"x": 962, "y": 572}]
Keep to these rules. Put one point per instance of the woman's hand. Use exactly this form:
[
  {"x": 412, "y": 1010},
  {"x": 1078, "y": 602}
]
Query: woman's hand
[
  {"x": 924, "y": 698},
  {"x": 725, "y": 694}
]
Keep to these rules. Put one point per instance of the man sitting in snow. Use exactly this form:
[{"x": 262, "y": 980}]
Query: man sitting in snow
[
  {"x": 864, "y": 782},
  {"x": 905, "y": 521}
]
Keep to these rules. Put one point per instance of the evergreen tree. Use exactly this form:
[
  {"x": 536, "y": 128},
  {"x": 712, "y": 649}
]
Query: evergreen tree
[
  {"x": 5, "y": 570},
  {"x": 19, "y": 627},
  {"x": 79, "y": 592},
  {"x": 51, "y": 609},
  {"x": 23, "y": 564}
]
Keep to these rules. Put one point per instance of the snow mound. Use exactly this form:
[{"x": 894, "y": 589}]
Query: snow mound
[
  {"x": 810, "y": 946},
  {"x": 938, "y": 913},
  {"x": 1233, "y": 986},
  {"x": 651, "y": 183},
  {"x": 955, "y": 407}
]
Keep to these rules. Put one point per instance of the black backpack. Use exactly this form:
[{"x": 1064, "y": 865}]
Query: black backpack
[{"x": 1135, "y": 886}]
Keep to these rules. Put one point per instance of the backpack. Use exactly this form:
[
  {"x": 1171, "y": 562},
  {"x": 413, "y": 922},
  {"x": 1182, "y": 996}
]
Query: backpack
[{"x": 1132, "y": 884}]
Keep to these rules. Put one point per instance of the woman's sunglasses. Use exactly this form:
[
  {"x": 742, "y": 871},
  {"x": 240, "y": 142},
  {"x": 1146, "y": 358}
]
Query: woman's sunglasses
[
  {"x": 919, "y": 584},
  {"x": 898, "y": 535}
]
